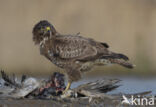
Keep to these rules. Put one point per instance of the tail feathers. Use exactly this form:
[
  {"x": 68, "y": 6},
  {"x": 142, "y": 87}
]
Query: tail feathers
[
  {"x": 120, "y": 56},
  {"x": 123, "y": 63},
  {"x": 116, "y": 56}
]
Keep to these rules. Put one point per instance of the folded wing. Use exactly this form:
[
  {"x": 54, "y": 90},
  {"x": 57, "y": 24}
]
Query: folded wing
[{"x": 77, "y": 47}]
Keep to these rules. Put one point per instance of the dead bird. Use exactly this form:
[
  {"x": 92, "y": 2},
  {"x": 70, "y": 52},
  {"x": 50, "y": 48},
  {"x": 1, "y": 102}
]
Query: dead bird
[
  {"x": 10, "y": 86},
  {"x": 54, "y": 86},
  {"x": 15, "y": 87}
]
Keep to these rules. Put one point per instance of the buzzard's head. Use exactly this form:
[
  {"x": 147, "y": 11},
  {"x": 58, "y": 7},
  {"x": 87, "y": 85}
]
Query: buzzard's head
[{"x": 43, "y": 30}]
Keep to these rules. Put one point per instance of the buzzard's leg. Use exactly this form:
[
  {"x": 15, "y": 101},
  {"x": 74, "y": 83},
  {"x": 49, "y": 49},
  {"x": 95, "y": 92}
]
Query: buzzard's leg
[
  {"x": 67, "y": 87},
  {"x": 66, "y": 93},
  {"x": 73, "y": 75}
]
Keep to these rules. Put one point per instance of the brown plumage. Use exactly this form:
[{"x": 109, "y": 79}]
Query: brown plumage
[{"x": 74, "y": 53}]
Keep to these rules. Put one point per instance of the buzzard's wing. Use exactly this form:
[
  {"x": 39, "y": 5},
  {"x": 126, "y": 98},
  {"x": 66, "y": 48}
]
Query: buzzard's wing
[{"x": 75, "y": 47}]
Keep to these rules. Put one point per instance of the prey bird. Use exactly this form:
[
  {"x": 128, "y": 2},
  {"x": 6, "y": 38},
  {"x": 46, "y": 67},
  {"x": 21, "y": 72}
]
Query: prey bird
[{"x": 74, "y": 53}]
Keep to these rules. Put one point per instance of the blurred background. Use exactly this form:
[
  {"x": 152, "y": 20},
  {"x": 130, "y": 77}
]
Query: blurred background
[{"x": 128, "y": 26}]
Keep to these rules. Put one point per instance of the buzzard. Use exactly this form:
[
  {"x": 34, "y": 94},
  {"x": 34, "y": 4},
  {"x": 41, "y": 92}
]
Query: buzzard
[{"x": 74, "y": 53}]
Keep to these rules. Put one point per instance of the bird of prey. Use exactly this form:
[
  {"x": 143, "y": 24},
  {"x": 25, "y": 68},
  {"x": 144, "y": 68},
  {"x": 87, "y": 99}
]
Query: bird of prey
[{"x": 74, "y": 53}]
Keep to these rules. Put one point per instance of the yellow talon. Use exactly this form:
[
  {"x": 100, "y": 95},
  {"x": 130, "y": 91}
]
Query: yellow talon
[{"x": 67, "y": 87}]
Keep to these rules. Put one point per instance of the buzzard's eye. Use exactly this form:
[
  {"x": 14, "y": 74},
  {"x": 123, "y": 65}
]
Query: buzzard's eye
[{"x": 48, "y": 28}]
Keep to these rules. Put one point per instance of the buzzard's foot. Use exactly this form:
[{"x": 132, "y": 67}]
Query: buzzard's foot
[
  {"x": 67, "y": 87},
  {"x": 67, "y": 92}
]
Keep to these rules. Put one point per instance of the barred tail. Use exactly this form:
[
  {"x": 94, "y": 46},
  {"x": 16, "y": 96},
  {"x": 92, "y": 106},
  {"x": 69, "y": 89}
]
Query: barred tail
[{"x": 116, "y": 58}]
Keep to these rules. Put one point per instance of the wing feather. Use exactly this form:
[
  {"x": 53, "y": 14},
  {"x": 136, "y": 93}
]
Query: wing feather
[{"x": 74, "y": 47}]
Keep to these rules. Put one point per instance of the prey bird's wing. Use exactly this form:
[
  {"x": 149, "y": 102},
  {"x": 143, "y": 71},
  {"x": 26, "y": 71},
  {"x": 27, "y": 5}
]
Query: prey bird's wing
[{"x": 76, "y": 47}]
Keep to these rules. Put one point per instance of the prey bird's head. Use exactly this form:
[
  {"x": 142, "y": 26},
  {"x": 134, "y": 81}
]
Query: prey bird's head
[{"x": 43, "y": 30}]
